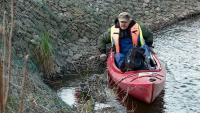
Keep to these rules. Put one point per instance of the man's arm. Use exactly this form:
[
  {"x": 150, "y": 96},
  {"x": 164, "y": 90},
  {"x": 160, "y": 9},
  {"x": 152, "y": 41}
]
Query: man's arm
[
  {"x": 103, "y": 40},
  {"x": 147, "y": 35}
]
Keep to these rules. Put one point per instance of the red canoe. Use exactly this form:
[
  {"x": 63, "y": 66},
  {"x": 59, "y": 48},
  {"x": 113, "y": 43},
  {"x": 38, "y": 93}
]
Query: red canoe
[{"x": 144, "y": 85}]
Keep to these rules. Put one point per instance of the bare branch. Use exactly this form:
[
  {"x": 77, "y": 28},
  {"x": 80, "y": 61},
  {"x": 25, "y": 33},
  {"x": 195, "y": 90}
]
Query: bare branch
[{"x": 22, "y": 92}]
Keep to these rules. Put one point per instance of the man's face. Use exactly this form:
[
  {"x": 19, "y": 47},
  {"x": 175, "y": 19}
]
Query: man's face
[{"x": 123, "y": 24}]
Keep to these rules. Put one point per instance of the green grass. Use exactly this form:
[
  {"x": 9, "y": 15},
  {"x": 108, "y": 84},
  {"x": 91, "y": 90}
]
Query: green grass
[
  {"x": 45, "y": 45},
  {"x": 43, "y": 53}
]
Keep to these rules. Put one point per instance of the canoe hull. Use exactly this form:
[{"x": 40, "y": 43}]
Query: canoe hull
[{"x": 144, "y": 85}]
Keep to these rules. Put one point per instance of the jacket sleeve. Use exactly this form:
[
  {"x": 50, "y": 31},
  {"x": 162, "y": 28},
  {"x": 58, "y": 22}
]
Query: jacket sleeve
[
  {"x": 147, "y": 35},
  {"x": 103, "y": 40}
]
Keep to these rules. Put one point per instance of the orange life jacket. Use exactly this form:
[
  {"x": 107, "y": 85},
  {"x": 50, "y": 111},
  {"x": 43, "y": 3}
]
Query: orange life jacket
[{"x": 136, "y": 33}]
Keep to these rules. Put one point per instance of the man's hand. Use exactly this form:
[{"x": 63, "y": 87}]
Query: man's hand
[
  {"x": 103, "y": 57},
  {"x": 151, "y": 49}
]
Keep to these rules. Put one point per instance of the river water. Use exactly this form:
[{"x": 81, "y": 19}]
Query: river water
[{"x": 178, "y": 47}]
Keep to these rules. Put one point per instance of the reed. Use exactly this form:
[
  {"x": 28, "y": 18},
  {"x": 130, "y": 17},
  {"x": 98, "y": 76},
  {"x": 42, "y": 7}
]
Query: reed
[
  {"x": 5, "y": 65},
  {"x": 1, "y": 88},
  {"x": 9, "y": 46},
  {"x": 3, "y": 69},
  {"x": 23, "y": 84}
]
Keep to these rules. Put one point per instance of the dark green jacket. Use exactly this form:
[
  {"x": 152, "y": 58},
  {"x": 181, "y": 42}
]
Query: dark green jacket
[{"x": 106, "y": 39}]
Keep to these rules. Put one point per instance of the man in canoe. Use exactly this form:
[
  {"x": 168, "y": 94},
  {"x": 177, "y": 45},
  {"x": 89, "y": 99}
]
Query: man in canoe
[{"x": 124, "y": 35}]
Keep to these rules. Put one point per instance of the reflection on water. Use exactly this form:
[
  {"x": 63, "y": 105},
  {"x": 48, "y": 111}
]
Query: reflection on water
[{"x": 68, "y": 95}]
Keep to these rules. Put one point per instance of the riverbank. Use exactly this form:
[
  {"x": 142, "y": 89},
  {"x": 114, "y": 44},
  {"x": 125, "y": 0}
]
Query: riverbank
[{"x": 94, "y": 18}]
